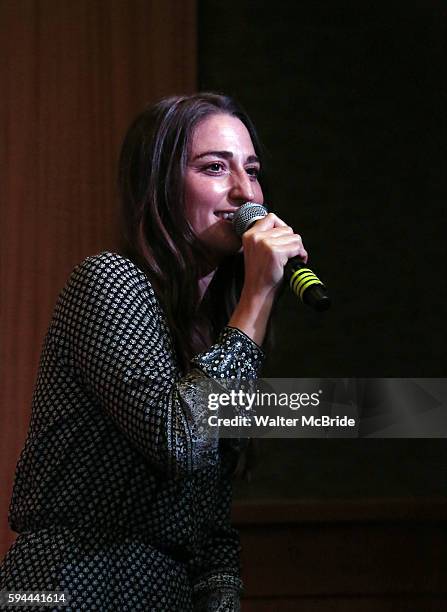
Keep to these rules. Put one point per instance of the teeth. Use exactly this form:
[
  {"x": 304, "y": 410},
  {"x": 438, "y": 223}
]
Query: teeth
[{"x": 228, "y": 215}]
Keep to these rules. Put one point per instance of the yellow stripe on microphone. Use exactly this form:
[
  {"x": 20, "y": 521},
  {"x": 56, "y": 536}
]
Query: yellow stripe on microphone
[{"x": 302, "y": 279}]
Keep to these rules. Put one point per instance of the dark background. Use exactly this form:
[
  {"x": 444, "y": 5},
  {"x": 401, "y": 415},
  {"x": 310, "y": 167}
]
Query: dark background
[{"x": 349, "y": 99}]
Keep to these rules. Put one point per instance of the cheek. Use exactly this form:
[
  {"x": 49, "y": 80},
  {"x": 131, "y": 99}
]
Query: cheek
[
  {"x": 203, "y": 197},
  {"x": 193, "y": 203},
  {"x": 199, "y": 206},
  {"x": 259, "y": 196}
]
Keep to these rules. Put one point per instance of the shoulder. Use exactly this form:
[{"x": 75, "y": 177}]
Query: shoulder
[
  {"x": 106, "y": 303},
  {"x": 108, "y": 264},
  {"x": 110, "y": 277},
  {"x": 111, "y": 269}
]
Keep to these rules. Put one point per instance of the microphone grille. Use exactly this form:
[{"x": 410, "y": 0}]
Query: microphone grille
[{"x": 247, "y": 214}]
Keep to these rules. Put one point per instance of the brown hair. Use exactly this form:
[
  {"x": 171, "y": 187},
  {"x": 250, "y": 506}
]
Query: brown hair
[{"x": 157, "y": 234}]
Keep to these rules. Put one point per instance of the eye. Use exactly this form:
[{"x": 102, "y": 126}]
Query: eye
[
  {"x": 253, "y": 171},
  {"x": 215, "y": 167}
]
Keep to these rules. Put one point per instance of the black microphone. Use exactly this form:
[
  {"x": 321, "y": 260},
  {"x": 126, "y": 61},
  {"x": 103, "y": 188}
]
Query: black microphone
[{"x": 303, "y": 282}]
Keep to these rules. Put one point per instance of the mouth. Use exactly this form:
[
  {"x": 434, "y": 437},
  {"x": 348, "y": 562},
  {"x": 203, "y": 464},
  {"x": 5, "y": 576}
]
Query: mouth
[{"x": 226, "y": 216}]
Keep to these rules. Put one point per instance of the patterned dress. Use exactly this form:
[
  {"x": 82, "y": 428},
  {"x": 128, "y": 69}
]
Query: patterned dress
[{"x": 120, "y": 499}]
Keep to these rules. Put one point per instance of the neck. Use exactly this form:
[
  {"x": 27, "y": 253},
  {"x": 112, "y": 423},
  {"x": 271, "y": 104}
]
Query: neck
[{"x": 204, "y": 282}]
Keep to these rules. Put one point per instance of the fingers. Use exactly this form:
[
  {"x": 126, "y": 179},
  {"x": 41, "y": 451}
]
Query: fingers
[
  {"x": 274, "y": 233},
  {"x": 268, "y": 245},
  {"x": 269, "y": 226},
  {"x": 291, "y": 246},
  {"x": 268, "y": 222},
  {"x": 277, "y": 231}
]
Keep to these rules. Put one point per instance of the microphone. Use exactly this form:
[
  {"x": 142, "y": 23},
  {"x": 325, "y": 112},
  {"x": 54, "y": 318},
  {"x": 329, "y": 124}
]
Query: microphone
[{"x": 302, "y": 281}]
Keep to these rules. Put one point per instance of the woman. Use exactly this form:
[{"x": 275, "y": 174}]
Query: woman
[{"x": 118, "y": 499}]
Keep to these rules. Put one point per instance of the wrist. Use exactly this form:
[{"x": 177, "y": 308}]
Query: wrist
[
  {"x": 252, "y": 313},
  {"x": 256, "y": 299}
]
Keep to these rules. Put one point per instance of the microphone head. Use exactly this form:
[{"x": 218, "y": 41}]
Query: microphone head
[{"x": 247, "y": 214}]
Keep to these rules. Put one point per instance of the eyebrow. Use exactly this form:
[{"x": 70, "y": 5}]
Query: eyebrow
[{"x": 225, "y": 155}]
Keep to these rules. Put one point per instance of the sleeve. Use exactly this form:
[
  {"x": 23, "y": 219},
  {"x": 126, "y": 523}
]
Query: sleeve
[
  {"x": 218, "y": 586},
  {"x": 110, "y": 331}
]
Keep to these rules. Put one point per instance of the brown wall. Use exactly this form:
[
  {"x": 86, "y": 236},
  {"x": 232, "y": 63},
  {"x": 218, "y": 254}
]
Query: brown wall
[
  {"x": 73, "y": 73},
  {"x": 379, "y": 555}
]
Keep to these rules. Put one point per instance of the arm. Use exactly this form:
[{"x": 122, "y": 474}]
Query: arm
[
  {"x": 267, "y": 247},
  {"x": 217, "y": 585},
  {"x": 111, "y": 333}
]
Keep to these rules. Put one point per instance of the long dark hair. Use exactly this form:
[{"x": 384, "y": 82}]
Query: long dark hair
[{"x": 157, "y": 235}]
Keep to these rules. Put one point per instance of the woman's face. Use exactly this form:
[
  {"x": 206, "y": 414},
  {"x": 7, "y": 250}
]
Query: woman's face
[{"x": 221, "y": 175}]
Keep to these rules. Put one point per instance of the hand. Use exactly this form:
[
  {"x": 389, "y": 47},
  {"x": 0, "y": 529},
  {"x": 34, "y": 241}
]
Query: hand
[
  {"x": 268, "y": 245},
  {"x": 226, "y": 599}
]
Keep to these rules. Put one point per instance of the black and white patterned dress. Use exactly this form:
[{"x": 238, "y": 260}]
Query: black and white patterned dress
[{"x": 118, "y": 499}]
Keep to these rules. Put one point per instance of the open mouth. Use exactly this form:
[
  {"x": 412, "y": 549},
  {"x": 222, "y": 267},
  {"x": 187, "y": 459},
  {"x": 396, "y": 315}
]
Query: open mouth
[{"x": 228, "y": 216}]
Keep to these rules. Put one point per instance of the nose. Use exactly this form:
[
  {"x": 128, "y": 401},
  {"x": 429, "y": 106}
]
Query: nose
[{"x": 241, "y": 190}]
